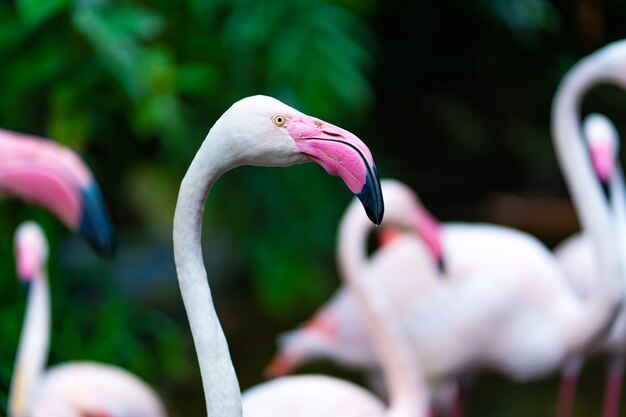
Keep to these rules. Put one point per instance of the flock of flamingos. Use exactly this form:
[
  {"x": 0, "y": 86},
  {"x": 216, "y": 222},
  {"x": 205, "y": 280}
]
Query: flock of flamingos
[{"x": 433, "y": 303}]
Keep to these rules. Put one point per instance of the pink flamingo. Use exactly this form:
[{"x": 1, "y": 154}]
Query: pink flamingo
[
  {"x": 45, "y": 173},
  {"x": 474, "y": 253},
  {"x": 579, "y": 260},
  {"x": 522, "y": 319},
  {"x": 71, "y": 389},
  {"x": 262, "y": 131},
  {"x": 337, "y": 330}
]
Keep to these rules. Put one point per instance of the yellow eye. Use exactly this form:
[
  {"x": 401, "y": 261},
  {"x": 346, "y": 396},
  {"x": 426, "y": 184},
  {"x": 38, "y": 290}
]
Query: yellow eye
[{"x": 279, "y": 120}]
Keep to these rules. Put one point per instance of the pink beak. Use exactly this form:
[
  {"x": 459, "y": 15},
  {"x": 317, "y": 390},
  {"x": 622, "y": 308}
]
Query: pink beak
[
  {"x": 44, "y": 173},
  {"x": 429, "y": 229},
  {"x": 279, "y": 365},
  {"x": 603, "y": 161},
  {"x": 341, "y": 154},
  {"x": 28, "y": 265}
]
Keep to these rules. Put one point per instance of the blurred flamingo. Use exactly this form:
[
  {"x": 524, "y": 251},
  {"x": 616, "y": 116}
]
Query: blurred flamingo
[
  {"x": 493, "y": 277},
  {"x": 606, "y": 65},
  {"x": 71, "y": 389},
  {"x": 262, "y": 131},
  {"x": 338, "y": 330},
  {"x": 578, "y": 258},
  {"x": 524, "y": 319},
  {"x": 45, "y": 173}
]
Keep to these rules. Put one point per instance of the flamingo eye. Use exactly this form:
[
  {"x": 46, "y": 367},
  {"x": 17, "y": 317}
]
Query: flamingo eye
[{"x": 279, "y": 120}]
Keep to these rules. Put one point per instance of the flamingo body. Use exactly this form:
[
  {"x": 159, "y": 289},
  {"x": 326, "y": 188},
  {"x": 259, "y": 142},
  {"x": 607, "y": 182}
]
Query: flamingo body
[
  {"x": 494, "y": 275},
  {"x": 93, "y": 389},
  {"x": 577, "y": 257},
  {"x": 310, "y": 395}
]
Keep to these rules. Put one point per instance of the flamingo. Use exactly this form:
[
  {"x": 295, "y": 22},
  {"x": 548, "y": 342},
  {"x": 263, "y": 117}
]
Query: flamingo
[
  {"x": 45, "y": 173},
  {"x": 579, "y": 260},
  {"x": 337, "y": 331},
  {"x": 260, "y": 130},
  {"x": 534, "y": 321},
  {"x": 72, "y": 389},
  {"x": 606, "y": 65}
]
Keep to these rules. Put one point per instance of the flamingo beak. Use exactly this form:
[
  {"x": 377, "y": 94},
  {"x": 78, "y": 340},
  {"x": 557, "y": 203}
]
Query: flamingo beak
[
  {"x": 279, "y": 365},
  {"x": 441, "y": 265},
  {"x": 94, "y": 223},
  {"x": 27, "y": 267},
  {"x": 341, "y": 154},
  {"x": 80, "y": 207},
  {"x": 26, "y": 285},
  {"x": 603, "y": 162}
]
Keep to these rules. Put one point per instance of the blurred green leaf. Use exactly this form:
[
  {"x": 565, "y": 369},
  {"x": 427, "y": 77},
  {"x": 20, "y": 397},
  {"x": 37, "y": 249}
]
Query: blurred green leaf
[
  {"x": 35, "y": 12},
  {"x": 11, "y": 29},
  {"x": 197, "y": 78}
]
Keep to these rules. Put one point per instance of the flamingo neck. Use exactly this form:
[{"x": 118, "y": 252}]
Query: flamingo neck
[
  {"x": 221, "y": 388},
  {"x": 591, "y": 207},
  {"x": 618, "y": 205},
  {"x": 429, "y": 229},
  {"x": 32, "y": 351},
  {"x": 404, "y": 382}
]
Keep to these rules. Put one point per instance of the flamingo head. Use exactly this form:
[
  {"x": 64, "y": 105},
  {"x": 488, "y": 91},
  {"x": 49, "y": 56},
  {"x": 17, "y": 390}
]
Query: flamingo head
[
  {"x": 44, "y": 173},
  {"x": 31, "y": 252},
  {"x": 270, "y": 133},
  {"x": 404, "y": 210}
]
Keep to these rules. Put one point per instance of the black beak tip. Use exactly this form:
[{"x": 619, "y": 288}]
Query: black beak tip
[
  {"x": 441, "y": 266},
  {"x": 95, "y": 224},
  {"x": 606, "y": 189},
  {"x": 25, "y": 283},
  {"x": 371, "y": 196}
]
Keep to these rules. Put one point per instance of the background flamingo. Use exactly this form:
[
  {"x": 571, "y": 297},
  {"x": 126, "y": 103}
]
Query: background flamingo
[
  {"x": 338, "y": 330},
  {"x": 579, "y": 259},
  {"x": 520, "y": 267},
  {"x": 545, "y": 288},
  {"x": 45, "y": 173},
  {"x": 71, "y": 389}
]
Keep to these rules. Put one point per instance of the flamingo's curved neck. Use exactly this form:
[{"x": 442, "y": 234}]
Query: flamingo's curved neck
[
  {"x": 33, "y": 347},
  {"x": 618, "y": 204},
  {"x": 221, "y": 388},
  {"x": 592, "y": 209},
  {"x": 403, "y": 379}
]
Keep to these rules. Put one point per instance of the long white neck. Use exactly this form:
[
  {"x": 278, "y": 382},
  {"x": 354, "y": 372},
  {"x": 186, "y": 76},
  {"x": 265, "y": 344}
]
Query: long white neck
[
  {"x": 33, "y": 348},
  {"x": 221, "y": 388},
  {"x": 618, "y": 203},
  {"x": 592, "y": 209},
  {"x": 404, "y": 381}
]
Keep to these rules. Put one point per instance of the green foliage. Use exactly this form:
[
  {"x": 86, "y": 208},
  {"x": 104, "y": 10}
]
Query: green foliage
[
  {"x": 35, "y": 12},
  {"x": 134, "y": 86}
]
